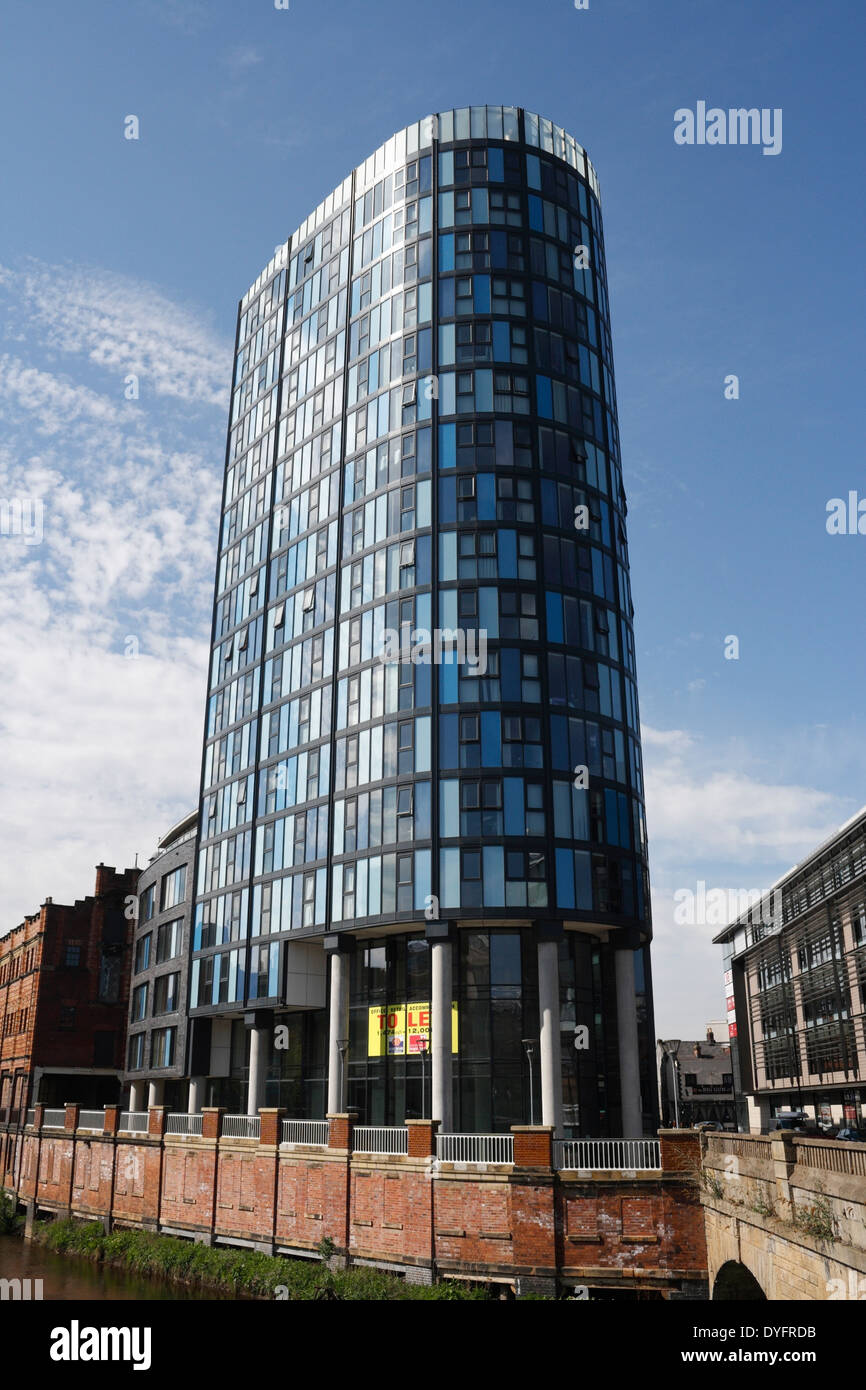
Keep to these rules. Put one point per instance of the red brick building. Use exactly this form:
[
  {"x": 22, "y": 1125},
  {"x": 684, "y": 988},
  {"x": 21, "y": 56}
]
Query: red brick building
[{"x": 64, "y": 987}]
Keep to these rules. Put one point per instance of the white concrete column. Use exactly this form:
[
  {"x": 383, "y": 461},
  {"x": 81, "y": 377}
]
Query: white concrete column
[
  {"x": 258, "y": 1068},
  {"x": 627, "y": 1042},
  {"x": 155, "y": 1093},
  {"x": 442, "y": 1088},
  {"x": 136, "y": 1095},
  {"x": 338, "y": 1031},
  {"x": 196, "y": 1095},
  {"x": 550, "y": 1042}
]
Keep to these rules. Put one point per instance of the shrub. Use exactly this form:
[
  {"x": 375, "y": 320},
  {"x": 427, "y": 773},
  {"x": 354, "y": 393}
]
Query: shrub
[
  {"x": 9, "y": 1218},
  {"x": 816, "y": 1219}
]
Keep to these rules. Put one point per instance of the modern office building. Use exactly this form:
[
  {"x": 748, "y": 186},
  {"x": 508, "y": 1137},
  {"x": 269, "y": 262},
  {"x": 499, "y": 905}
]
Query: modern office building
[
  {"x": 795, "y": 976},
  {"x": 422, "y": 876},
  {"x": 156, "y": 1045}
]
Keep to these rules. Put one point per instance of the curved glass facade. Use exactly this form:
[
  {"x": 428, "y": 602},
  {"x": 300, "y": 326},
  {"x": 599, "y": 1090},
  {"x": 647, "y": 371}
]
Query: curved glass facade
[{"x": 422, "y": 719}]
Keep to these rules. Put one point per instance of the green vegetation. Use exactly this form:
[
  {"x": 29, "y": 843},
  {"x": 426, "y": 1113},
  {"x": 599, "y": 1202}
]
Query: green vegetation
[
  {"x": 816, "y": 1220},
  {"x": 9, "y": 1219},
  {"x": 244, "y": 1273},
  {"x": 762, "y": 1203}
]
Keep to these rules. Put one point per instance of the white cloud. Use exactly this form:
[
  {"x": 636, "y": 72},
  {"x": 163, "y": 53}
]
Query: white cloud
[
  {"x": 100, "y": 753},
  {"x": 242, "y": 59},
  {"x": 719, "y": 811},
  {"x": 709, "y": 819},
  {"x": 125, "y": 327}
]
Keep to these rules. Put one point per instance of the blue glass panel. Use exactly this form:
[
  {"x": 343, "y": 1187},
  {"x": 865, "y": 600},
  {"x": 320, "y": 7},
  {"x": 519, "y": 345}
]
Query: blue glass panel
[
  {"x": 554, "y": 618},
  {"x": 491, "y": 746},
  {"x": 564, "y": 878},
  {"x": 447, "y": 448},
  {"x": 507, "y": 554},
  {"x": 481, "y": 294},
  {"x": 513, "y": 800},
  {"x": 493, "y": 872}
]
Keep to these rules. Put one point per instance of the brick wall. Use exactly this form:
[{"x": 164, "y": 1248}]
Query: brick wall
[
  {"x": 406, "y": 1211},
  {"x": 51, "y": 1013}
]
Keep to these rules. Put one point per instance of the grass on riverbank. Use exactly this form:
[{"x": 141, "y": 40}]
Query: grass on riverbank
[{"x": 242, "y": 1272}]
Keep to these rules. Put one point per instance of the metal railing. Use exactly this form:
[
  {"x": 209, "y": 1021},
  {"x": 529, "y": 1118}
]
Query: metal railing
[
  {"x": 183, "y": 1124},
  {"x": 381, "y": 1139},
  {"x": 31, "y": 1117},
  {"x": 133, "y": 1122},
  {"x": 91, "y": 1119},
  {"x": 241, "y": 1126},
  {"x": 475, "y": 1148},
  {"x": 606, "y": 1155},
  {"x": 305, "y": 1132},
  {"x": 54, "y": 1119}
]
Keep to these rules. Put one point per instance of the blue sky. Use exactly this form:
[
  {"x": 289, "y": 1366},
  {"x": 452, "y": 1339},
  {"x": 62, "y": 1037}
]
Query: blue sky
[{"x": 121, "y": 257}]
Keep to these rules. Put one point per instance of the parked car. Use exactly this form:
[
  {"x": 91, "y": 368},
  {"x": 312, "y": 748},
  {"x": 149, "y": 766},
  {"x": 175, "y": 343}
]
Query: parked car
[
  {"x": 795, "y": 1122},
  {"x": 856, "y": 1135}
]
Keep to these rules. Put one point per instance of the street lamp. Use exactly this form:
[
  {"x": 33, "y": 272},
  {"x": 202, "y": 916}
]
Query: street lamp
[
  {"x": 343, "y": 1045},
  {"x": 671, "y": 1047},
  {"x": 529, "y": 1048}
]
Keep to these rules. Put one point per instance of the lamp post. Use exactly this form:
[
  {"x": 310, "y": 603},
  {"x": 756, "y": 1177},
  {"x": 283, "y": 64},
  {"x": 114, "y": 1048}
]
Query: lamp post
[
  {"x": 343, "y": 1045},
  {"x": 528, "y": 1046},
  {"x": 422, "y": 1048},
  {"x": 671, "y": 1047}
]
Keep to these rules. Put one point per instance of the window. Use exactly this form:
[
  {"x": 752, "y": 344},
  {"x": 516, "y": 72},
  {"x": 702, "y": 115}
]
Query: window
[
  {"x": 173, "y": 888},
  {"x": 405, "y": 895},
  {"x": 72, "y": 955},
  {"x": 146, "y": 904},
  {"x": 162, "y": 1047},
  {"x": 136, "y": 1051},
  {"x": 165, "y": 994},
  {"x": 470, "y": 876},
  {"x": 142, "y": 953},
  {"x": 139, "y": 1004},
  {"x": 168, "y": 940},
  {"x": 67, "y": 1017}
]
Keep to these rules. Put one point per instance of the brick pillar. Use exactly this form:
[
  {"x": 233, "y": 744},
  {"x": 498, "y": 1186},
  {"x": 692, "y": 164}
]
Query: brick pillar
[
  {"x": 533, "y": 1146},
  {"x": 70, "y": 1125},
  {"x": 38, "y": 1115},
  {"x": 269, "y": 1130},
  {"x": 336, "y": 1223},
  {"x": 533, "y": 1210},
  {"x": 422, "y": 1138},
  {"x": 680, "y": 1151},
  {"x": 340, "y": 1130},
  {"x": 156, "y": 1121},
  {"x": 112, "y": 1119},
  {"x": 211, "y": 1121}
]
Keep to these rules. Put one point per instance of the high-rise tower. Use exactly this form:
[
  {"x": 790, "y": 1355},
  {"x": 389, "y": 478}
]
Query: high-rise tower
[{"x": 422, "y": 882}]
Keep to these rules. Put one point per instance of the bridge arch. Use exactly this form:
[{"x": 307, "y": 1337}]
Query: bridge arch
[{"x": 735, "y": 1282}]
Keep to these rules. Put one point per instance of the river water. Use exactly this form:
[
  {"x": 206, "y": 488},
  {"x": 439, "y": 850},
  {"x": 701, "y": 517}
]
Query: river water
[{"x": 65, "y": 1277}]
